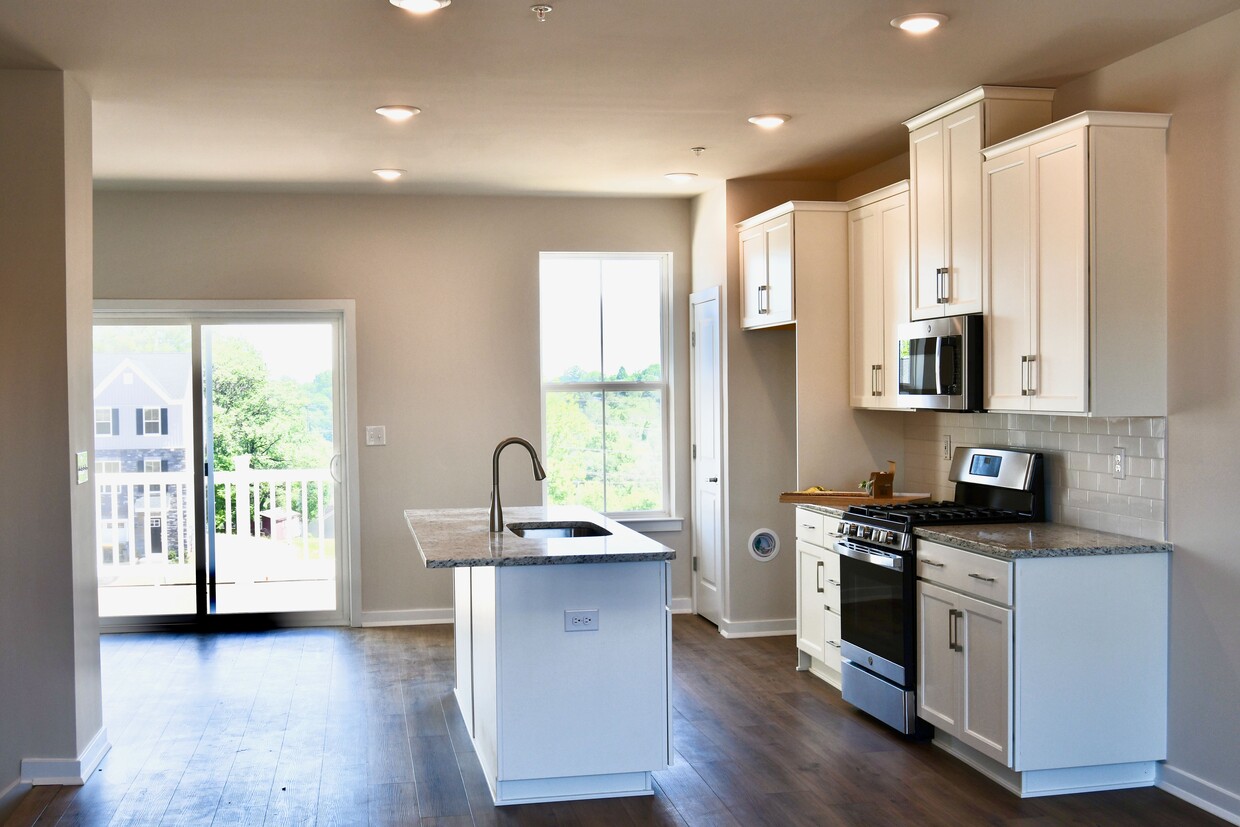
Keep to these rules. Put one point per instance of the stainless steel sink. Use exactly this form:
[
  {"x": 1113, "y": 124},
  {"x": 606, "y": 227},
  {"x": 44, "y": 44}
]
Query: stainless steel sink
[{"x": 562, "y": 528}]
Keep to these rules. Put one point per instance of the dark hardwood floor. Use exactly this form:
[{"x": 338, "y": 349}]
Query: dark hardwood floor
[{"x": 351, "y": 726}]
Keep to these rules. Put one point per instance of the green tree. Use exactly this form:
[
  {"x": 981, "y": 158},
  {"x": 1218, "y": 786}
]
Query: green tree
[{"x": 272, "y": 421}]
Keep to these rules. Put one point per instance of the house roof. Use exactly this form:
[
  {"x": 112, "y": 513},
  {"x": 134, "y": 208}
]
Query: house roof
[
  {"x": 167, "y": 374},
  {"x": 603, "y": 98}
]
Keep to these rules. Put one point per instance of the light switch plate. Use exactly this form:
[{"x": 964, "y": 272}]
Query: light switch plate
[
  {"x": 83, "y": 467},
  {"x": 376, "y": 435}
]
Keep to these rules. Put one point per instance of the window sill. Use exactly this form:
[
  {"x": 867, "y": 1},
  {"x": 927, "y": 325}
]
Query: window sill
[{"x": 651, "y": 525}]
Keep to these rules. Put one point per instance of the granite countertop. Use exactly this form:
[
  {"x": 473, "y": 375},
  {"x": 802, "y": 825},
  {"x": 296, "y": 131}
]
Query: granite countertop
[
  {"x": 829, "y": 510},
  {"x": 1015, "y": 541},
  {"x": 452, "y": 537}
]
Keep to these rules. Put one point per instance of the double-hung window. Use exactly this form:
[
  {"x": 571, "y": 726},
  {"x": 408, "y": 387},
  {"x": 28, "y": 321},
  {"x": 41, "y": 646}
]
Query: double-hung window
[{"x": 606, "y": 434}]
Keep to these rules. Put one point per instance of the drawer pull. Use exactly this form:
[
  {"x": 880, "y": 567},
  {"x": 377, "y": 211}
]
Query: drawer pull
[
  {"x": 983, "y": 578},
  {"x": 810, "y": 526},
  {"x": 932, "y": 563},
  {"x": 834, "y": 534},
  {"x": 833, "y": 643},
  {"x": 953, "y": 631},
  {"x": 819, "y": 575},
  {"x": 831, "y": 582}
]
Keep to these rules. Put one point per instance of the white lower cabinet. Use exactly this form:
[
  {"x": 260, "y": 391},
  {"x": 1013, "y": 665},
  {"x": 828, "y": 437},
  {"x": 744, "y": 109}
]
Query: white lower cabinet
[
  {"x": 966, "y": 689},
  {"x": 1047, "y": 674},
  {"x": 818, "y": 595}
]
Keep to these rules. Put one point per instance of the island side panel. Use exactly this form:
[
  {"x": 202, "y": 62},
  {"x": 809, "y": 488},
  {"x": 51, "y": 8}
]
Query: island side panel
[
  {"x": 485, "y": 637},
  {"x": 462, "y": 631},
  {"x": 585, "y": 702}
]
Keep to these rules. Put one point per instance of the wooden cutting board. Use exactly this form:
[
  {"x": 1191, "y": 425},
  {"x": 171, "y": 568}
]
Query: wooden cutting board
[{"x": 843, "y": 499}]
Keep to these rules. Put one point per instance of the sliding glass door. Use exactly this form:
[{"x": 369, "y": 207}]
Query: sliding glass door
[{"x": 218, "y": 472}]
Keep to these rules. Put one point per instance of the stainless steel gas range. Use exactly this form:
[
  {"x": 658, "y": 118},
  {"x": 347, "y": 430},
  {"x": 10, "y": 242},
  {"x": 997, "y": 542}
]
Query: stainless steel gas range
[{"x": 878, "y": 574}]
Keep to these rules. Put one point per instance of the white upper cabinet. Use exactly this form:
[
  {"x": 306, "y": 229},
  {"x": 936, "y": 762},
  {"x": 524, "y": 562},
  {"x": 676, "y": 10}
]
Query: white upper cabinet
[
  {"x": 778, "y": 247},
  {"x": 1075, "y": 267},
  {"x": 945, "y": 160},
  {"x": 878, "y": 270}
]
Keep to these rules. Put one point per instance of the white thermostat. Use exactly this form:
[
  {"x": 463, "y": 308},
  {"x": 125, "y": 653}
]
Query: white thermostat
[{"x": 763, "y": 544}]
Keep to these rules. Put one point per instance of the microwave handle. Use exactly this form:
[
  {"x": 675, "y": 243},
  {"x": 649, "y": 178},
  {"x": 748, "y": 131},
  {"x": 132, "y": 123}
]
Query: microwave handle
[{"x": 939, "y": 341}]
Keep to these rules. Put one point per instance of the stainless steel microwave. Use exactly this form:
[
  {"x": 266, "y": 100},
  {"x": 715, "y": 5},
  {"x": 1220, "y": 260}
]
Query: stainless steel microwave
[{"x": 940, "y": 363}]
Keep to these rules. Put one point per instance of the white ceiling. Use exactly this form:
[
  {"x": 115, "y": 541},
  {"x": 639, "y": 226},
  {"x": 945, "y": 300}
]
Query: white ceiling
[{"x": 603, "y": 98}]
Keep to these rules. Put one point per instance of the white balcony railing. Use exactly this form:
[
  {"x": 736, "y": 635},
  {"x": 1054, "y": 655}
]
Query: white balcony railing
[{"x": 145, "y": 518}]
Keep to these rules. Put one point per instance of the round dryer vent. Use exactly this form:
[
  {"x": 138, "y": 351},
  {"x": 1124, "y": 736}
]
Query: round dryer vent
[{"x": 763, "y": 544}]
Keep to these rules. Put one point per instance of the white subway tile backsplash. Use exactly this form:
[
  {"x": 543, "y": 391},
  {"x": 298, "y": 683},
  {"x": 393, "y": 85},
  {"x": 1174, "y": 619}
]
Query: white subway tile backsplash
[{"x": 1081, "y": 490}]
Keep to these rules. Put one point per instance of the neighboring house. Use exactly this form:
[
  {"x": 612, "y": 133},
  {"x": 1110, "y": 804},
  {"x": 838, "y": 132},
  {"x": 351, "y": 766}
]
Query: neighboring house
[
  {"x": 140, "y": 409},
  {"x": 141, "y": 404}
]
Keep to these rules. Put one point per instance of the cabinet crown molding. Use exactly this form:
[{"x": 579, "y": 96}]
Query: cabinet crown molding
[
  {"x": 1130, "y": 120},
  {"x": 1019, "y": 93},
  {"x": 878, "y": 194},
  {"x": 793, "y": 206}
]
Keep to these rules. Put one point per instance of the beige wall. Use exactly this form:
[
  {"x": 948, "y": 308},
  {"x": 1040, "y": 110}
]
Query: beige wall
[
  {"x": 1196, "y": 77},
  {"x": 49, "y": 639},
  {"x": 446, "y": 292}
]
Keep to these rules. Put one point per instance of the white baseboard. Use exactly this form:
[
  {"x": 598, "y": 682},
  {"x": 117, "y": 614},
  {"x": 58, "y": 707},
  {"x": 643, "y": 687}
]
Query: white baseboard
[
  {"x": 407, "y": 617},
  {"x": 1200, "y": 793},
  {"x": 758, "y": 628},
  {"x": 40, "y": 772},
  {"x": 682, "y": 605}
]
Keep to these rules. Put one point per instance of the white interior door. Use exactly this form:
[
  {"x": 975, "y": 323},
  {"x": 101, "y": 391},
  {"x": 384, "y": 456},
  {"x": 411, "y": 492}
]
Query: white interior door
[{"x": 708, "y": 574}]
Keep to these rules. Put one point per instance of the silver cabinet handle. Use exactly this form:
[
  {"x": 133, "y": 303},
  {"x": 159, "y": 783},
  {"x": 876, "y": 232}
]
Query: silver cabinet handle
[
  {"x": 820, "y": 570},
  {"x": 953, "y": 631},
  {"x": 983, "y": 578},
  {"x": 712, "y": 479},
  {"x": 831, "y": 582},
  {"x": 1033, "y": 385},
  {"x": 941, "y": 286},
  {"x": 833, "y": 643},
  {"x": 809, "y": 526},
  {"x": 1024, "y": 376},
  {"x": 764, "y": 299},
  {"x": 876, "y": 380},
  {"x": 834, "y": 534},
  {"x": 932, "y": 563}
]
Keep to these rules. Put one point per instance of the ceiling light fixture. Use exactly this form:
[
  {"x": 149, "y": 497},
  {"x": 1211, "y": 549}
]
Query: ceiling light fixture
[
  {"x": 919, "y": 23},
  {"x": 388, "y": 174},
  {"x": 398, "y": 113},
  {"x": 770, "y": 121},
  {"x": 541, "y": 11},
  {"x": 680, "y": 177},
  {"x": 420, "y": 6}
]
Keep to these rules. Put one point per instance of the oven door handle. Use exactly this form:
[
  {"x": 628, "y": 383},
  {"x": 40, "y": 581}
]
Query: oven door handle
[{"x": 887, "y": 561}]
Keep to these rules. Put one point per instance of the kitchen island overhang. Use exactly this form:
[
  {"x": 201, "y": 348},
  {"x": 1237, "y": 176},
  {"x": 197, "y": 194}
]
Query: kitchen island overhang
[{"x": 557, "y": 709}]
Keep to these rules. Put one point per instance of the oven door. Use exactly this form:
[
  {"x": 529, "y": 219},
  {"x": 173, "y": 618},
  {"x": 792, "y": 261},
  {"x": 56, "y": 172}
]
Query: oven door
[{"x": 877, "y": 611}]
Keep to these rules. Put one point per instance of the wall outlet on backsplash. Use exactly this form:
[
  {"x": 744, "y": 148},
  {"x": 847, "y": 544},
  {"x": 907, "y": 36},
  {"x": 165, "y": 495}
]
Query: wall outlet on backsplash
[{"x": 947, "y": 446}]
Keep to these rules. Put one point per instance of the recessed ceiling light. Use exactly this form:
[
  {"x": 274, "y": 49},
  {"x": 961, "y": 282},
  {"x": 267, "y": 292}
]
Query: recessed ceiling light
[
  {"x": 398, "y": 113},
  {"x": 770, "y": 121},
  {"x": 919, "y": 23},
  {"x": 388, "y": 174},
  {"x": 421, "y": 6},
  {"x": 680, "y": 177}
]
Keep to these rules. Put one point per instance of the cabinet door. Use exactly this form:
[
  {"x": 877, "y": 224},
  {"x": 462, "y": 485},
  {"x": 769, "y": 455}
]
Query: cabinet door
[
  {"x": 894, "y": 263},
  {"x": 927, "y": 160},
  {"x": 811, "y": 584},
  {"x": 1006, "y": 196},
  {"x": 780, "y": 241},
  {"x": 938, "y": 682},
  {"x": 962, "y": 138},
  {"x": 1060, "y": 301},
  {"x": 865, "y": 305},
  {"x": 753, "y": 276},
  {"x": 985, "y": 633}
]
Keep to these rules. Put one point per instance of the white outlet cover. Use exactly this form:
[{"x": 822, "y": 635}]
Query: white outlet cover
[{"x": 376, "y": 435}]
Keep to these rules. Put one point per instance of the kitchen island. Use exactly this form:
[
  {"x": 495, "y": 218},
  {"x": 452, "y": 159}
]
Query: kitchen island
[{"x": 563, "y": 650}]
